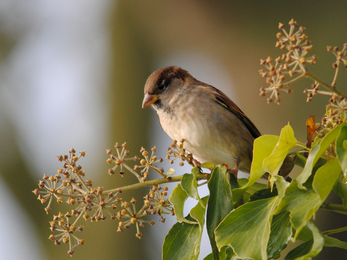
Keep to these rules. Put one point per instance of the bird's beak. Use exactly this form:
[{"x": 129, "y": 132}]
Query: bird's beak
[{"x": 149, "y": 99}]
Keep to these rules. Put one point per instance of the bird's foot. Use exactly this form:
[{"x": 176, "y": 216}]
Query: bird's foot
[
  {"x": 196, "y": 163},
  {"x": 234, "y": 171}
]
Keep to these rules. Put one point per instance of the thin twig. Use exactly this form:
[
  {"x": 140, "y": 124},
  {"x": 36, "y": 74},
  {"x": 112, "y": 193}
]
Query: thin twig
[
  {"x": 334, "y": 207},
  {"x": 324, "y": 84},
  {"x": 334, "y": 231},
  {"x": 337, "y": 69},
  {"x": 201, "y": 176}
]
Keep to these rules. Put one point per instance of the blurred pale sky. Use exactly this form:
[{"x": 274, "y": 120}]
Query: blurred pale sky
[{"x": 62, "y": 49}]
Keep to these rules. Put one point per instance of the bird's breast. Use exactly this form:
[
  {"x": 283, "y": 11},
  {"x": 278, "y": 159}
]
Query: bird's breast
[{"x": 211, "y": 132}]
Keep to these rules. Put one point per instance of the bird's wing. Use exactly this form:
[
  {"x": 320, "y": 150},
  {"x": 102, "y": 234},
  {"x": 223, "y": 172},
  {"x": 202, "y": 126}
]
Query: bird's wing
[{"x": 226, "y": 102}]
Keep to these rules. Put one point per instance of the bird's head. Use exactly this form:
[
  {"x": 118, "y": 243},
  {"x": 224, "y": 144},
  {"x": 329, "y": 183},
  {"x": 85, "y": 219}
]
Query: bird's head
[{"x": 163, "y": 83}]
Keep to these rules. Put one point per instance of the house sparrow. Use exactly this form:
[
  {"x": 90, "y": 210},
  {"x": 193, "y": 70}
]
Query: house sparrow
[{"x": 214, "y": 127}]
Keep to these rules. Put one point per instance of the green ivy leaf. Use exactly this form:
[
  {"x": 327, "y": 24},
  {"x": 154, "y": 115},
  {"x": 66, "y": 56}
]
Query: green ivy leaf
[
  {"x": 182, "y": 241},
  {"x": 220, "y": 202},
  {"x": 207, "y": 165},
  {"x": 310, "y": 248},
  {"x": 190, "y": 186},
  {"x": 334, "y": 242},
  {"x": 178, "y": 198},
  {"x": 340, "y": 188},
  {"x": 263, "y": 146},
  {"x": 268, "y": 154},
  {"x": 226, "y": 253},
  {"x": 341, "y": 149},
  {"x": 306, "y": 235},
  {"x": 198, "y": 212},
  {"x": 300, "y": 160},
  {"x": 282, "y": 186},
  {"x": 273, "y": 162},
  {"x": 315, "y": 153},
  {"x": 325, "y": 178},
  {"x": 281, "y": 232},
  {"x": 263, "y": 194},
  {"x": 209, "y": 257},
  {"x": 302, "y": 204},
  {"x": 187, "y": 187},
  {"x": 195, "y": 171},
  {"x": 253, "y": 219},
  {"x": 300, "y": 250}
]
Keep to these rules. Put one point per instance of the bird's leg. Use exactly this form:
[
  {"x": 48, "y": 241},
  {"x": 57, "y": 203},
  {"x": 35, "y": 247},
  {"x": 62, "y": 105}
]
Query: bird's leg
[
  {"x": 197, "y": 164},
  {"x": 235, "y": 170}
]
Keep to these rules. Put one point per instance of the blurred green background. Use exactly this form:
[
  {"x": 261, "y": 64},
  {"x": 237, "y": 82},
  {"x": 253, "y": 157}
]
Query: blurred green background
[{"x": 72, "y": 75}]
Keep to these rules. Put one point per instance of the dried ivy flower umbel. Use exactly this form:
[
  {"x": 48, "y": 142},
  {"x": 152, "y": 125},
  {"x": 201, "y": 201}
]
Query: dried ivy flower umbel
[{"x": 98, "y": 204}]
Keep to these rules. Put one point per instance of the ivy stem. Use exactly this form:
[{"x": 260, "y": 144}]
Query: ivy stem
[
  {"x": 79, "y": 216},
  {"x": 337, "y": 69},
  {"x": 324, "y": 84},
  {"x": 302, "y": 145},
  {"x": 294, "y": 80},
  {"x": 334, "y": 207},
  {"x": 133, "y": 172},
  {"x": 334, "y": 231},
  {"x": 200, "y": 176}
]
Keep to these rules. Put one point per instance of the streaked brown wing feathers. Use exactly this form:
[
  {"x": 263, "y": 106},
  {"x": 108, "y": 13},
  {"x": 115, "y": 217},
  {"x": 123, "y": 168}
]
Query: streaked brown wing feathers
[{"x": 224, "y": 101}]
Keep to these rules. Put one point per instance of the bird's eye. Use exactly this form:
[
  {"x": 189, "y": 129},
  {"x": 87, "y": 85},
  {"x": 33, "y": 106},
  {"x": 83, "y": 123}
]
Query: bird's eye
[{"x": 162, "y": 85}]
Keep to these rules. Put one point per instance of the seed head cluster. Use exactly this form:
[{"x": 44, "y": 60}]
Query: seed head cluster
[
  {"x": 283, "y": 71},
  {"x": 292, "y": 63},
  {"x": 97, "y": 204}
]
